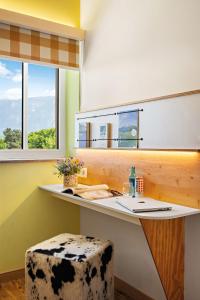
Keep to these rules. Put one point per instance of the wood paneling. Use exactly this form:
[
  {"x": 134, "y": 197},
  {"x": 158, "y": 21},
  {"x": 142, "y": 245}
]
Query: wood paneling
[
  {"x": 169, "y": 176},
  {"x": 166, "y": 242}
]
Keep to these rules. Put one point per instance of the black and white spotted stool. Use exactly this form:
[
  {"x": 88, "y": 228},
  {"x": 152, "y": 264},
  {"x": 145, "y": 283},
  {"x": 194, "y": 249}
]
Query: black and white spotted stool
[{"x": 70, "y": 267}]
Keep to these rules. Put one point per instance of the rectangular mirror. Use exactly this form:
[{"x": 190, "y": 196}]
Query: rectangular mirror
[{"x": 168, "y": 124}]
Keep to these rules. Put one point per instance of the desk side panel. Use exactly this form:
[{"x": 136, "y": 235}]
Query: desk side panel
[
  {"x": 192, "y": 257},
  {"x": 166, "y": 242},
  {"x": 133, "y": 262}
]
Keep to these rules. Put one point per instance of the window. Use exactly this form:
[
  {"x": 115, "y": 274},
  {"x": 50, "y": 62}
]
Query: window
[
  {"x": 31, "y": 111},
  {"x": 10, "y": 105},
  {"x": 42, "y": 108}
]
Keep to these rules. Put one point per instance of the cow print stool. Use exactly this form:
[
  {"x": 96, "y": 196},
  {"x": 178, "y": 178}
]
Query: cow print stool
[{"x": 70, "y": 267}]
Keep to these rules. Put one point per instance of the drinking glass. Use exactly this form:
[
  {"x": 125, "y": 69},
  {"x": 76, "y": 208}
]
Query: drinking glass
[{"x": 125, "y": 189}]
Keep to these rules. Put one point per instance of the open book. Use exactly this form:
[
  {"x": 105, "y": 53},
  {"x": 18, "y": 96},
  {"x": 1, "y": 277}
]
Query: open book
[{"x": 91, "y": 192}]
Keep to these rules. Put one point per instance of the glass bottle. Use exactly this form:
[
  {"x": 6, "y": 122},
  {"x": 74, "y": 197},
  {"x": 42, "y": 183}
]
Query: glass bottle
[{"x": 132, "y": 182}]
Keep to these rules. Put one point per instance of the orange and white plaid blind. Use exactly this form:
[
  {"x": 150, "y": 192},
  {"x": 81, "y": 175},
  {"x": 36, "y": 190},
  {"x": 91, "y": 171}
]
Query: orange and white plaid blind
[{"x": 28, "y": 44}]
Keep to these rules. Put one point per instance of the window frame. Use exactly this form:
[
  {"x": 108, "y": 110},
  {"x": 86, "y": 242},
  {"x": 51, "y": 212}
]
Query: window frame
[{"x": 40, "y": 154}]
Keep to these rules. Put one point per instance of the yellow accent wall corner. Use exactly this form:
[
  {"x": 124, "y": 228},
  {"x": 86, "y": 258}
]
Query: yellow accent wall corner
[
  {"x": 28, "y": 215},
  {"x": 62, "y": 11}
]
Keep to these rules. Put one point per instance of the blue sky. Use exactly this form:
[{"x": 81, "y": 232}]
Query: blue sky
[
  {"x": 41, "y": 80},
  {"x": 128, "y": 119}
]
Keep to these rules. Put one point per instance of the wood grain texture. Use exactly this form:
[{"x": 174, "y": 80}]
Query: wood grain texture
[
  {"x": 166, "y": 242},
  {"x": 168, "y": 176},
  {"x": 15, "y": 290}
]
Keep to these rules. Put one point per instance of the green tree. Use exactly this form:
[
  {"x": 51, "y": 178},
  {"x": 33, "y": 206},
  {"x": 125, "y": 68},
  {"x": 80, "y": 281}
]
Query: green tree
[
  {"x": 42, "y": 139},
  {"x": 3, "y": 145},
  {"x": 12, "y": 138}
]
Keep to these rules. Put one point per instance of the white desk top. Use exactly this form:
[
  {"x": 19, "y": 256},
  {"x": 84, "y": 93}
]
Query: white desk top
[{"x": 110, "y": 207}]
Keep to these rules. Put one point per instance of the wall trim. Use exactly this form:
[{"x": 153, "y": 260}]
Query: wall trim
[
  {"x": 120, "y": 285},
  {"x": 12, "y": 275},
  {"x": 165, "y": 97},
  {"x": 127, "y": 290},
  {"x": 12, "y": 161}
]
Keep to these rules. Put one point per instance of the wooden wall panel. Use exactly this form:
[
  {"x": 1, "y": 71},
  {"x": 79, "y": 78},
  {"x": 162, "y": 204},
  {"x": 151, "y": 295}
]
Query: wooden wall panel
[
  {"x": 168, "y": 175},
  {"x": 172, "y": 176},
  {"x": 166, "y": 242}
]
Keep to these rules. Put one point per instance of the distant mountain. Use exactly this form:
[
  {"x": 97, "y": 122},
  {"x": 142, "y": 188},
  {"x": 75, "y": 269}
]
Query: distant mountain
[
  {"x": 41, "y": 114},
  {"x": 127, "y": 128}
]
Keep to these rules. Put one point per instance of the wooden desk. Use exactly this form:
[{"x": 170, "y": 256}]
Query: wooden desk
[{"x": 164, "y": 231}]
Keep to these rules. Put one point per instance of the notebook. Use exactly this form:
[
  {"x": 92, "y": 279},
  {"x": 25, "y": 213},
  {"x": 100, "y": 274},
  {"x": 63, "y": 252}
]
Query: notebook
[{"x": 139, "y": 206}]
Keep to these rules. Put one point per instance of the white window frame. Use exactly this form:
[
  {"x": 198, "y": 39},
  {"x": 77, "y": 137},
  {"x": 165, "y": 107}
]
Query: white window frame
[{"x": 40, "y": 154}]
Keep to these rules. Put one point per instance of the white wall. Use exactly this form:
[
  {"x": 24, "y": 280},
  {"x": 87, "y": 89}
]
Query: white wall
[
  {"x": 133, "y": 261},
  {"x": 139, "y": 49}
]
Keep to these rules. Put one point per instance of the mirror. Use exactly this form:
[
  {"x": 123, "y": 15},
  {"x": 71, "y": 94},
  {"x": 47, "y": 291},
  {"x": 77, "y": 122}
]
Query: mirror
[{"x": 162, "y": 124}]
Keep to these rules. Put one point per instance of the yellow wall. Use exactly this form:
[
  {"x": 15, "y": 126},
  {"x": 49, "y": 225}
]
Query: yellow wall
[
  {"x": 61, "y": 11},
  {"x": 28, "y": 215}
]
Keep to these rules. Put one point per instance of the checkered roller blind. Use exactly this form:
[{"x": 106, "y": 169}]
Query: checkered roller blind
[{"x": 28, "y": 44}]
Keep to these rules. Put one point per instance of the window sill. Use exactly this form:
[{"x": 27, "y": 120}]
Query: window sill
[
  {"x": 31, "y": 155},
  {"x": 28, "y": 160}
]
